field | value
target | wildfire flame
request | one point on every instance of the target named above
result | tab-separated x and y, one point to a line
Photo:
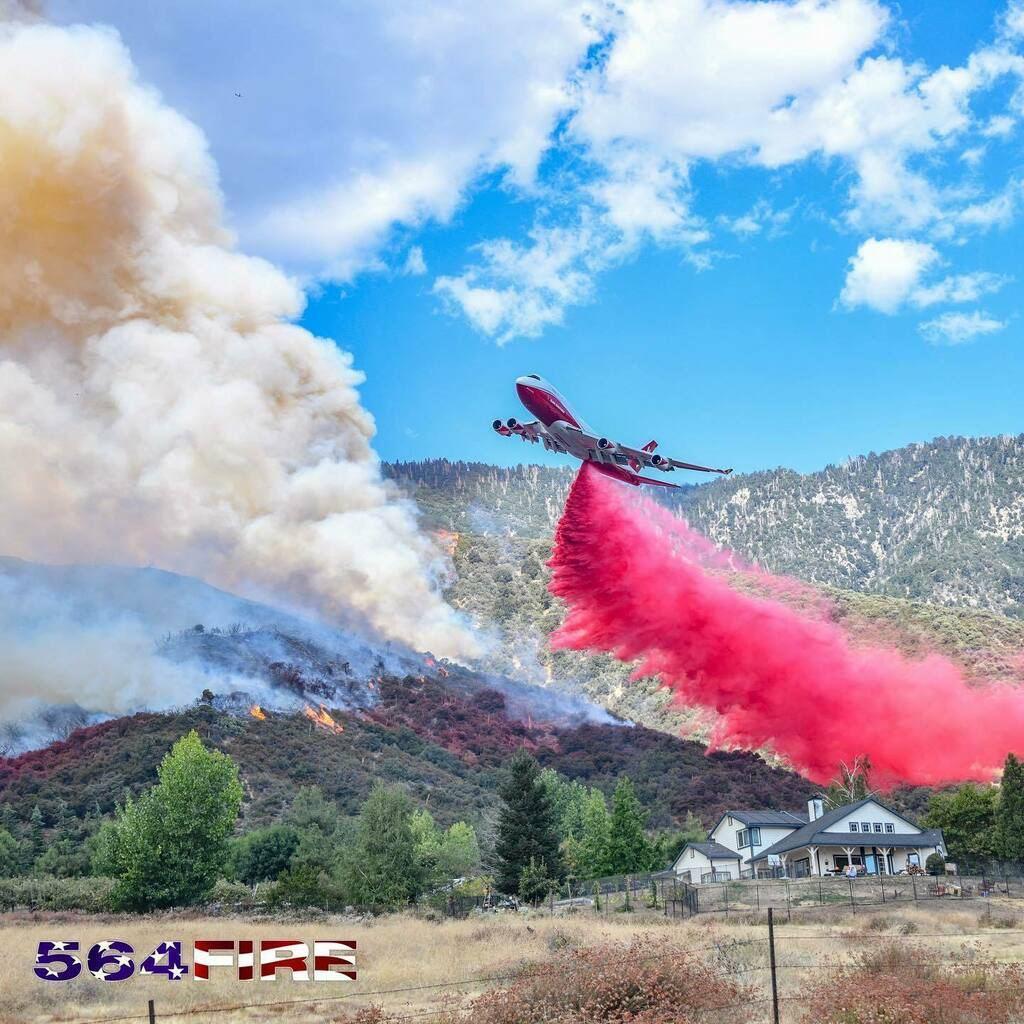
258	713
323	718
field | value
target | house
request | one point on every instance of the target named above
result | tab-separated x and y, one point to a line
737	837
707	862
873	837
867	834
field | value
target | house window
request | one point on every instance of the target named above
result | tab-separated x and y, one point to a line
878	826
890	827
854	827
865	826
749	837
729	819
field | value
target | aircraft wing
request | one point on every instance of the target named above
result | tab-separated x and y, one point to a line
662	462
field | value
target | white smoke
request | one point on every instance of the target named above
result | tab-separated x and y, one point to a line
157	406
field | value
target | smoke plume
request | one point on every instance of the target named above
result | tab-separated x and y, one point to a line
157	404
637	586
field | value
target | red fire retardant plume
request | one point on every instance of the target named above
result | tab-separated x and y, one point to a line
637	585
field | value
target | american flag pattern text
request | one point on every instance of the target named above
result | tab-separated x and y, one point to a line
331	954
283	955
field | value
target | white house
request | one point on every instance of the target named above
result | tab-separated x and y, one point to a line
707	862
867	834
738	836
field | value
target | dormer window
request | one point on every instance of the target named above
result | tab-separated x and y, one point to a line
878	826
890	827
854	827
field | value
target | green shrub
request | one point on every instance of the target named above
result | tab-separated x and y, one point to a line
89	894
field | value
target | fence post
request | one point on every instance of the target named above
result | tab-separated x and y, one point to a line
913	882
853	905
771	964
881	882
152	1012
726	887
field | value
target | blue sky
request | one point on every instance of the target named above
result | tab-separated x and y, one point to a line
765	234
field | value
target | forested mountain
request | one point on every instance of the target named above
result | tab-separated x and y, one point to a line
941	522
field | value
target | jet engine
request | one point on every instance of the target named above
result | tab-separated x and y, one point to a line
512	423
501	428
605	445
660	462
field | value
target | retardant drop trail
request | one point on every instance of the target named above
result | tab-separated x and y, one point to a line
637	585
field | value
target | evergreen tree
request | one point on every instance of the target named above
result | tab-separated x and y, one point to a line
1010	811
967	818
628	847
35	831
526	825
10	855
172	843
534	882
382	868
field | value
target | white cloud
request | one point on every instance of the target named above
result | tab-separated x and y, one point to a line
959	328
761	217
402	108
959	288
518	290
884	273
887	273
415	264
367	116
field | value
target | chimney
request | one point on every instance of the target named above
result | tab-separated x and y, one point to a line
815	808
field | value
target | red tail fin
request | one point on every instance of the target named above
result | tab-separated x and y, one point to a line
650	446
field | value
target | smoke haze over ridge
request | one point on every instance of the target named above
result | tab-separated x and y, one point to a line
157	404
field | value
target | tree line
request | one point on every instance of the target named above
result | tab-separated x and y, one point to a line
178	841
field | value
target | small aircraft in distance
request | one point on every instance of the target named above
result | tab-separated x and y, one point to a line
561	430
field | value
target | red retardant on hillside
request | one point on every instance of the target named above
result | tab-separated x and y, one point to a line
642	586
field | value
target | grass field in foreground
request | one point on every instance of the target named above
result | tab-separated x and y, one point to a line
402	951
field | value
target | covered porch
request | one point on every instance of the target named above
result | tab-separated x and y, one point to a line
884	858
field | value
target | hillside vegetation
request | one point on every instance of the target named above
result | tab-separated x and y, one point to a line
445	747
921	548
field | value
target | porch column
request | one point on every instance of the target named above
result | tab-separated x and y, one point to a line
784	861
886	850
812	856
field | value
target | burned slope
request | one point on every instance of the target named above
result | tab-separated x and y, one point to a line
444	743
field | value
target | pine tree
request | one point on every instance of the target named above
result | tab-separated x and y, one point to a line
628	847
35	831
1010	811
526	826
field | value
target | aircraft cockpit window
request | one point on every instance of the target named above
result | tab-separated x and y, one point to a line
533	376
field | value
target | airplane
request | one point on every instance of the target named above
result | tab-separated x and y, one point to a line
559	429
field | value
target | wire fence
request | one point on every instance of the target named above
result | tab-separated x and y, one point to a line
789	895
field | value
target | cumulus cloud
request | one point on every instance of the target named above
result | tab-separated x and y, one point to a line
441	96
959	328
886	273
158	406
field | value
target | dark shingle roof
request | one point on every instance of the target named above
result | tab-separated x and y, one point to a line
769	817
711	850
817	833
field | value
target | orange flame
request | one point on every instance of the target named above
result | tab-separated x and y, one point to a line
323	719
258	713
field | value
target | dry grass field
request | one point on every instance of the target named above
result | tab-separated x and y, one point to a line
403	951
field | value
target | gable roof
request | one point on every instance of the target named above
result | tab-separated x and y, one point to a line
713	851
778	819
812	833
